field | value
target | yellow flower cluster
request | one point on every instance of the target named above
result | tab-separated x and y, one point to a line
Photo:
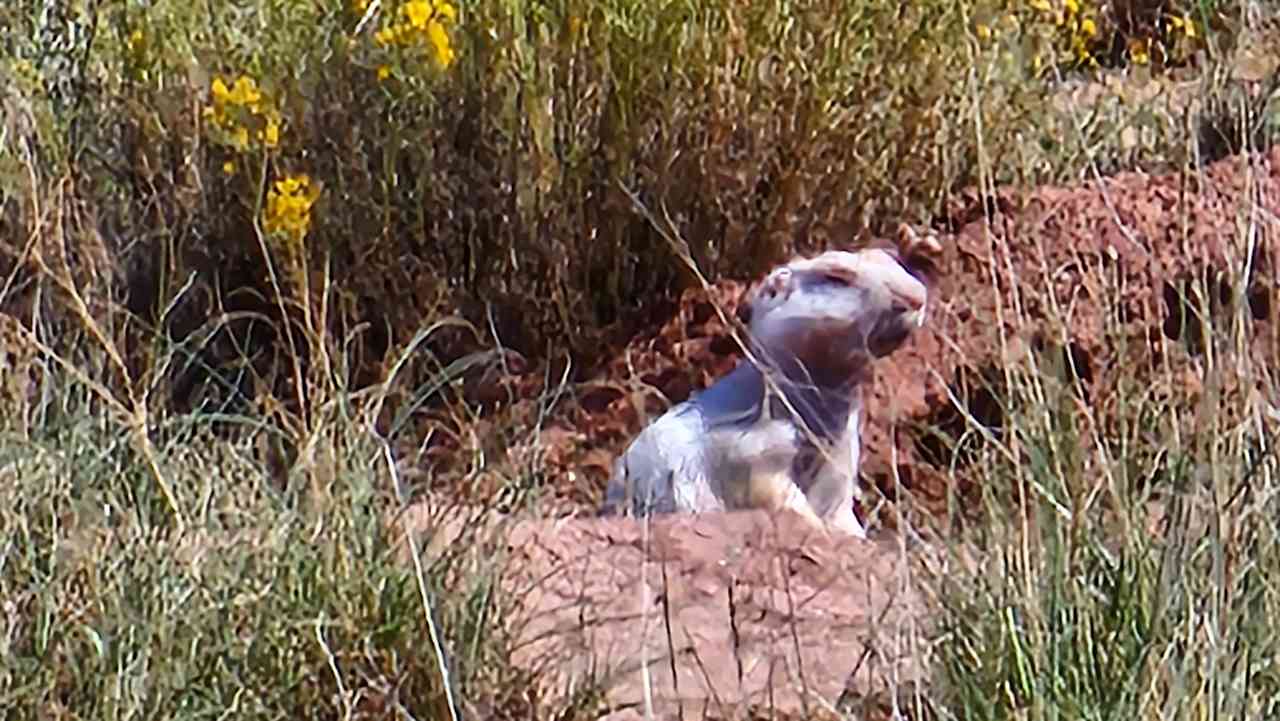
1184	25
421	23
1072	24
1074	21
136	44
1074	34
289	204
243	116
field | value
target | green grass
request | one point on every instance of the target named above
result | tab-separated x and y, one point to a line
1125	574
197	414
273	603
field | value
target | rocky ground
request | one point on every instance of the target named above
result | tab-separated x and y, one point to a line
1094	283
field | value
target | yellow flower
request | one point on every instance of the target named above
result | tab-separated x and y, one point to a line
245	92
1138	52
417	12
1041	5
237	109
229	167
1081	50
983	31
1186	25
1088	28
385	36
289	206
136	42
384	72
440	40
1073	7
290	185
270	135
220	91
421	24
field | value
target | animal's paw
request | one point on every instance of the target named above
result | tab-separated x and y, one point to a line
845	523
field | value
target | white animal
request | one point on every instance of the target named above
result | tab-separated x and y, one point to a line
814	327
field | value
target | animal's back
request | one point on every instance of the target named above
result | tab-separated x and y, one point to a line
666	461
673	465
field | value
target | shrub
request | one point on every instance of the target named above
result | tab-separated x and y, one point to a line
492	151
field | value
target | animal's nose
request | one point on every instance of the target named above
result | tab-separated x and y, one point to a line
909	301
909	307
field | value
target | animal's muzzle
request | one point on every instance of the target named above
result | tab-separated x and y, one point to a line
890	332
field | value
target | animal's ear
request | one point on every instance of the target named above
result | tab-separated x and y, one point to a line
919	253
775	283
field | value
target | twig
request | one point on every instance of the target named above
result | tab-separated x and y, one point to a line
437	645
671	648
646	682
795	635
368	15
333	667
706	677
733	631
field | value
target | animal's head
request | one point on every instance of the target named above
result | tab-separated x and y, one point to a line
835	312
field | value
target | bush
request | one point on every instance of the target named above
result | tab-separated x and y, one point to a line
495	169
488	155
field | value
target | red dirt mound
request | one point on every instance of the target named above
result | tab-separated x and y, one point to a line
1116	260
716	614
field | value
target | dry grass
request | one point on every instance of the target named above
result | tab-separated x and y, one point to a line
205	424
1123	555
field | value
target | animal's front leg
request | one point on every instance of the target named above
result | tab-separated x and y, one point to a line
834	486
775	492
831	497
